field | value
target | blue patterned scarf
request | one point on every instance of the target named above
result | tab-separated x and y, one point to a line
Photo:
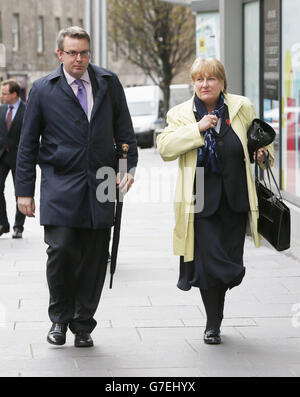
207	155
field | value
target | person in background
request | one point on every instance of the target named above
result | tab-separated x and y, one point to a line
210	131
11	118
75	124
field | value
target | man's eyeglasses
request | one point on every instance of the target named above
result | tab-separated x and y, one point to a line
74	54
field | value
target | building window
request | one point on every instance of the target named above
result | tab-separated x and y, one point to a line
57	30
80	22
69	21
40	35
16	32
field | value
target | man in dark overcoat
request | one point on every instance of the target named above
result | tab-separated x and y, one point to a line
75	124
11	117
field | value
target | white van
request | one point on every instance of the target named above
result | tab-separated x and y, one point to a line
145	105
180	93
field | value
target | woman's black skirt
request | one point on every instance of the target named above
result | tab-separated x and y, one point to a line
219	248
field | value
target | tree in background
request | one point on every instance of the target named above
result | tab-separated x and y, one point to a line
156	36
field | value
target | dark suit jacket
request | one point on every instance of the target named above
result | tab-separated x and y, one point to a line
57	134
9	141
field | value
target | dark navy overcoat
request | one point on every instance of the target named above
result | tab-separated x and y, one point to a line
69	149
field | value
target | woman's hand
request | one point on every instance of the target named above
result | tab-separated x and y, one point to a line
207	121
260	155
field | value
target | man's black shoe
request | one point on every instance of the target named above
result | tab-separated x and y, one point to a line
4	229
83	339
57	334
17	233
212	337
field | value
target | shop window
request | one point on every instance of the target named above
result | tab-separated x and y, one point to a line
291	97
251	53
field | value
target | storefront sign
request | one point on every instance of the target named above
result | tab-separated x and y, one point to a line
207	35
271	48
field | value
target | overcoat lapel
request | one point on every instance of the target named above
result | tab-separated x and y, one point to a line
99	81
233	104
62	83
100	93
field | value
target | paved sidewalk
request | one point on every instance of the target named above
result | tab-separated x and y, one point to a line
146	326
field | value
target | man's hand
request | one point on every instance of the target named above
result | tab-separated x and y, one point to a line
125	183
26	205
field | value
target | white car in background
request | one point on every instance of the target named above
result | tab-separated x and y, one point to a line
145	105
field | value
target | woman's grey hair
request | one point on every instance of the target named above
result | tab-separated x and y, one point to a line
74	32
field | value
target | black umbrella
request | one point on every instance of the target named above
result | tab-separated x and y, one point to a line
118	216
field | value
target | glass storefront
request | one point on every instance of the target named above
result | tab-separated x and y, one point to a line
251	53
290	145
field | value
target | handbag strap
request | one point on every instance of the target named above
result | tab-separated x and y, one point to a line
269	171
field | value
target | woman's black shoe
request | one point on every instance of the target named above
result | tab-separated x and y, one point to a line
212	337
57	334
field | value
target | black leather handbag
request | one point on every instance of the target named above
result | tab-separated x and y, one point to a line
259	134
274	216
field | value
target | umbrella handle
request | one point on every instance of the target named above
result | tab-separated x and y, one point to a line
123	170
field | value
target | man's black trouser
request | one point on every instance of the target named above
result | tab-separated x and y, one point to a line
76	269
19	218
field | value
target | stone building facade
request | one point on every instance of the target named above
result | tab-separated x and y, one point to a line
28	30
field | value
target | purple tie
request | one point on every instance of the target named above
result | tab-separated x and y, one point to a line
81	95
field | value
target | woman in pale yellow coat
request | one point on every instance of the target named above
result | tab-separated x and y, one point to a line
209	132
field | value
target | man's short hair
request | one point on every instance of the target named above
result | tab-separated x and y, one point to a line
74	32
13	86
